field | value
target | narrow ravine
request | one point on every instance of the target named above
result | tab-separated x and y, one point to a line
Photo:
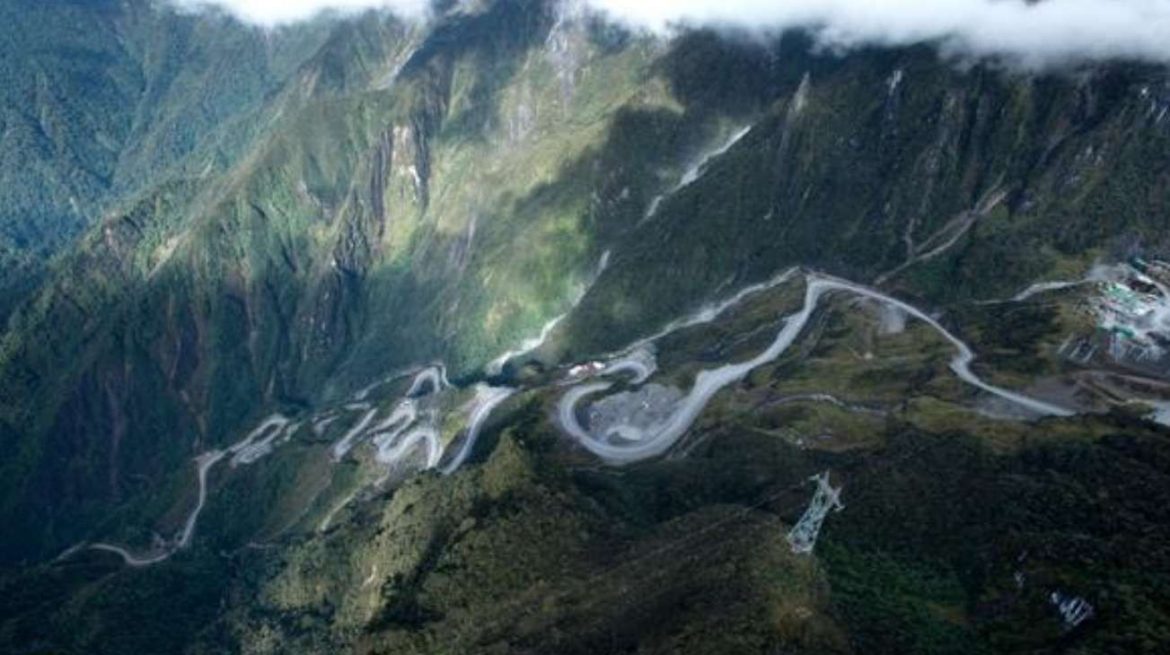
694	172
532	344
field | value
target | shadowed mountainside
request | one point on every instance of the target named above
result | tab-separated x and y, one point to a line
248	224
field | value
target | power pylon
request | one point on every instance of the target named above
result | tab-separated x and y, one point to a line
803	537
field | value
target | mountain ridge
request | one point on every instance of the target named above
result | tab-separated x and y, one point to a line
514	193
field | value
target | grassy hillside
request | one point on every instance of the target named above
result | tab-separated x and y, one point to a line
409	197
243	222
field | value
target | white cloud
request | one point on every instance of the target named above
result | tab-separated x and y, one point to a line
1035	33
280	12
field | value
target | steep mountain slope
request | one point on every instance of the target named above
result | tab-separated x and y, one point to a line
365	232
880	159
303	235
100	100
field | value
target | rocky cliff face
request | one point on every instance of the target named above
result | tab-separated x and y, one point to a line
286	223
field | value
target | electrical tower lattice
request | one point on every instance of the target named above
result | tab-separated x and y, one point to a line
803	537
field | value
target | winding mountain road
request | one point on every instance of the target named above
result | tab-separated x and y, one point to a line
392	452
400	433
203	464
661	437
486	400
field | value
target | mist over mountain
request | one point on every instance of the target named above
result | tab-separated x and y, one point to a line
1051	33
528	326
1020	32
270	12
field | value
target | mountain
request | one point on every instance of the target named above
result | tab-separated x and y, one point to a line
103	99
316	336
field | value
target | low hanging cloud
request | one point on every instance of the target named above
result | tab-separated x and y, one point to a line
1034	33
270	13
1039	33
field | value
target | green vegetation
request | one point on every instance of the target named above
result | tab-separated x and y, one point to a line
202	224
101	101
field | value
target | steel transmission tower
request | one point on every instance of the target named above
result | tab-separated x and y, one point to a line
803	537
